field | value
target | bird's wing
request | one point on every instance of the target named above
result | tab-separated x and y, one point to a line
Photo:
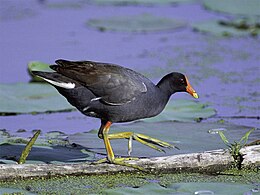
111	83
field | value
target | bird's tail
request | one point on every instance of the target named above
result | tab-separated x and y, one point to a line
56	79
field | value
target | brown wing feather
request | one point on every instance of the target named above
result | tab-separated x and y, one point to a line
114	84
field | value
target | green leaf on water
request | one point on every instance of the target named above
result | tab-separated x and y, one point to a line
183	110
136	23
227	28
237	7
183	188
138	2
31	98
38	66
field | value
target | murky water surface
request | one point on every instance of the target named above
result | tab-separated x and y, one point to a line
224	70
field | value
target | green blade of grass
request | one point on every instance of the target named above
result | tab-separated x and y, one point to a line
223	138
28	147
245	137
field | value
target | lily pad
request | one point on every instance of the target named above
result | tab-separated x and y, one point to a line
65	4
189	137
38	66
136	23
237	7
183	110
186	188
53	147
43	154
15	191
228	28
138	2
31	98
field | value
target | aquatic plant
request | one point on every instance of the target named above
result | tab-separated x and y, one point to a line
236	147
28	147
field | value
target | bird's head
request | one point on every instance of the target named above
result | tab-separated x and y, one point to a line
177	82
182	84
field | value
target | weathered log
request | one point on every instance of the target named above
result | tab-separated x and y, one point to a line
251	156
209	161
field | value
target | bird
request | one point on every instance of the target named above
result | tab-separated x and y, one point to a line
115	94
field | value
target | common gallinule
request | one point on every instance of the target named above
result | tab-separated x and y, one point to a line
115	94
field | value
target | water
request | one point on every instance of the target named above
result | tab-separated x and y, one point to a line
223	70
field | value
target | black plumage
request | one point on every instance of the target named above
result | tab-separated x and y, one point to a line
114	93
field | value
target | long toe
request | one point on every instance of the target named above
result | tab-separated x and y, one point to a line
152	142
121	161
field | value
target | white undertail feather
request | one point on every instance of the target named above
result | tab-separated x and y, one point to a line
62	85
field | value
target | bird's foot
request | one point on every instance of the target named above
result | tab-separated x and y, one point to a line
152	142
144	139
120	161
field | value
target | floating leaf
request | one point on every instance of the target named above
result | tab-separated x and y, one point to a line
225	28
6	191
183	110
189	137
138	2
43	154
238	7
29	98
184	188
136	23
38	66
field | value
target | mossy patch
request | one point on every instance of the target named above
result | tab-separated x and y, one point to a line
140	182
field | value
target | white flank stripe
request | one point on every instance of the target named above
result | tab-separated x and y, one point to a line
95	99
145	88
62	85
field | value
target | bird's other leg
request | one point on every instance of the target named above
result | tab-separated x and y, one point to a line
103	134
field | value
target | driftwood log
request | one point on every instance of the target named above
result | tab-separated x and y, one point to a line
209	161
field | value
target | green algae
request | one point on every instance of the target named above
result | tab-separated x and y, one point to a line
104	183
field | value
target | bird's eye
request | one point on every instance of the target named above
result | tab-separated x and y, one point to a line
182	81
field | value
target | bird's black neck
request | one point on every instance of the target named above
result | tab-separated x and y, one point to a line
165	86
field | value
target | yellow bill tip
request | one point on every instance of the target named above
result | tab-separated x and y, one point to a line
195	95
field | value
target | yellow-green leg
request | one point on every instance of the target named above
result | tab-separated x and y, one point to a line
144	139
103	133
